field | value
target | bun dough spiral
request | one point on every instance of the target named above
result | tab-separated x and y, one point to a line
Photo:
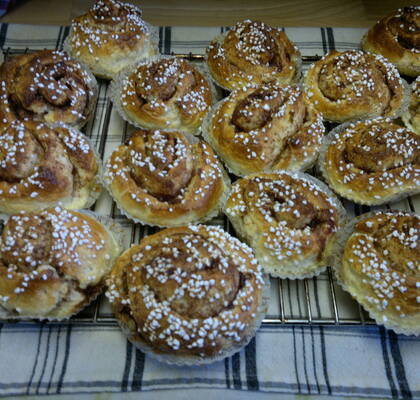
397	37
353	85
52	263
372	162
109	37
412	117
160	178
188	295
253	53
289	219
266	128
380	268
46	86
41	165
166	93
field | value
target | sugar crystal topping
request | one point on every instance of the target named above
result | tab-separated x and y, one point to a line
385	250
42	247
384	155
283	207
188	283
108	21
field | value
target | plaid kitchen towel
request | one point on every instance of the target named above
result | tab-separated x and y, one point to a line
332	360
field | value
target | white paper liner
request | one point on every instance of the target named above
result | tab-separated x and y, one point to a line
217	210
119	81
103	73
407	116
291	272
220	38
208	137
343	236
115	231
183	360
397	114
349	194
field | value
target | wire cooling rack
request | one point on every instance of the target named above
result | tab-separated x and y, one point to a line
317	301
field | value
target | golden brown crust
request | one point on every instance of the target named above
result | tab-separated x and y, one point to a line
161	179
380	268
53	263
288	219
397	37
41	165
188	291
109	37
46	86
167	93
353	84
372	162
253	53
412	117
266	128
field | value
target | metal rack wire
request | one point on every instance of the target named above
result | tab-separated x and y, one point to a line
317	301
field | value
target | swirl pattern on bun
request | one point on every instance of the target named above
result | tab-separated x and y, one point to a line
162	178
188	295
46	86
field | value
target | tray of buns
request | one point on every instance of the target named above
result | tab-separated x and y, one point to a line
317	300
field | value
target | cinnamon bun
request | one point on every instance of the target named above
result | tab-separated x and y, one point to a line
109	37
53	263
43	165
165	178
380	266
166	93
372	162
253	53
46	86
353	84
397	37
266	128
188	295
290	219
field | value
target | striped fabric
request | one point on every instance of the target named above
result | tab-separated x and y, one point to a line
332	360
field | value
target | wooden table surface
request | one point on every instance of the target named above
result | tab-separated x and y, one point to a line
357	13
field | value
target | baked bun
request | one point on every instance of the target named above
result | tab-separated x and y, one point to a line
380	267
353	85
52	263
46	86
166	93
372	162
290	219
109	37
397	38
253	53
412	117
42	165
264	129
161	178
188	295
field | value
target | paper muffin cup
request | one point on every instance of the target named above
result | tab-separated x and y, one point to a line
349	194
184	360
343	236
217	210
220	38
406	116
119	81
206	129
115	230
102	73
289	272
